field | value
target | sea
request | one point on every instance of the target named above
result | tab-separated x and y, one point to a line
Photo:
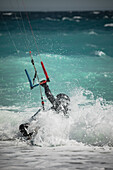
77	51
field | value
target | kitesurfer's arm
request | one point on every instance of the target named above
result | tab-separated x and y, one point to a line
48	92
56	102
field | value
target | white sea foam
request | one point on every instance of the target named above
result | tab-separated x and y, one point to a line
7	13
106	17
77	20
52	19
100	53
108	25
89	121
92	33
96	12
67	18
77	17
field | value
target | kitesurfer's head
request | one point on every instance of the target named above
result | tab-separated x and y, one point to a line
64	102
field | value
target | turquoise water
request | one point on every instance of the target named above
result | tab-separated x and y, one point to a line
77	51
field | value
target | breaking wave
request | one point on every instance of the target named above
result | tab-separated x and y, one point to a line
89	122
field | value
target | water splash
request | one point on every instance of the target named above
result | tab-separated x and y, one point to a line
89	122
92	119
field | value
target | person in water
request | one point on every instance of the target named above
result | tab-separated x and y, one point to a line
59	104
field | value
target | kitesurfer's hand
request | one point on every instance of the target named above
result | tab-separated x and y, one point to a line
43	83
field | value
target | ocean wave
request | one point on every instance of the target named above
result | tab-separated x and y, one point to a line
67	18
96	12
92	119
108	25
52	19
92	33
100	53
89	122
105	17
7	13
77	17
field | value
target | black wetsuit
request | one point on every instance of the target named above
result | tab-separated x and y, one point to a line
51	98
60	103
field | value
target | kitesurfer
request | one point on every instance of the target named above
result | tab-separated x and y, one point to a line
59	104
